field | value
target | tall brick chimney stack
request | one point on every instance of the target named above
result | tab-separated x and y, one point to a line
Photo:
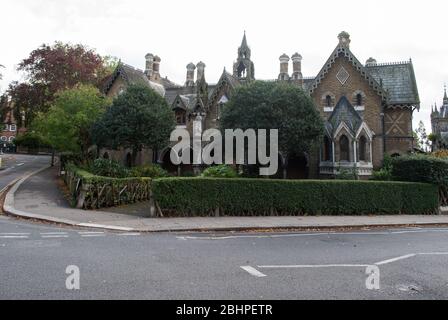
297	76
149	58
284	61
190	75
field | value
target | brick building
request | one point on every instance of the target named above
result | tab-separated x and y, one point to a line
367	108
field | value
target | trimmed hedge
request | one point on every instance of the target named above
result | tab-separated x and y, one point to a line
248	197
89	191
423	169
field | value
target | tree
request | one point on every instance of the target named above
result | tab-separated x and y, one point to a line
1	76
50	69
421	137
66	126
274	105
138	118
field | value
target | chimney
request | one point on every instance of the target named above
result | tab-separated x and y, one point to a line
190	75
371	62
297	68
200	71
148	66
284	60
156	68
344	39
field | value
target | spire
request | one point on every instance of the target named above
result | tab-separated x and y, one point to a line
445	97
244	50
243	68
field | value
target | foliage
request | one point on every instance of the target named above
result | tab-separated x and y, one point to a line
421	168
49	69
220	171
138	118
30	140
89	191
149	171
108	168
440	154
347	174
67	124
385	173
1	75
203	196
421	137
274	105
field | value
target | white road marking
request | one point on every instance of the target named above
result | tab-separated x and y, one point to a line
314	266
14	237
395	259
128	234
90	232
55	236
14	233
253	271
433	253
52	233
92	235
289	235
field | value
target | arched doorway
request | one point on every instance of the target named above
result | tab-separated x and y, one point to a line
297	167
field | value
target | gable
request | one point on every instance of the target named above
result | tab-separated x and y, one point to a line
344	53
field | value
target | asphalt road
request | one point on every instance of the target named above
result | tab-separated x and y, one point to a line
407	263
34	259
17	165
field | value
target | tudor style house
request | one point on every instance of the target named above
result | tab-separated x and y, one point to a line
367	108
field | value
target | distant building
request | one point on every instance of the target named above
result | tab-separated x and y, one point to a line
439	124
9	126
367	108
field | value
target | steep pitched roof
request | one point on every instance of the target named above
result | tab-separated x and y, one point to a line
344	112
344	51
398	79
226	78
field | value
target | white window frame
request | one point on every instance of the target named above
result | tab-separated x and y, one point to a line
4	138
13	128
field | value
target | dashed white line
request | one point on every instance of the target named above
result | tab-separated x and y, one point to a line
130	234
55	236
253	271
13	237
395	259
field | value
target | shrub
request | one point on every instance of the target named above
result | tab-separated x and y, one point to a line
385	173
149	171
202	196
108	168
440	154
89	191
347	174
421	168
220	171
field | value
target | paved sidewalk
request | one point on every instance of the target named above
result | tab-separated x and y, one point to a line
40	197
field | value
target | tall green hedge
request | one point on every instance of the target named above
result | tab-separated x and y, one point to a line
203	196
423	168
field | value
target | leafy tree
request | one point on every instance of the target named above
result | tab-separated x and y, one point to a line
138	118
421	137
50	69
274	105
67	124
31	140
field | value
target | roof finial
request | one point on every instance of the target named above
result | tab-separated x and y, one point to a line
445	97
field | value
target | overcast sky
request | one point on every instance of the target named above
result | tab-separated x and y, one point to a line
210	31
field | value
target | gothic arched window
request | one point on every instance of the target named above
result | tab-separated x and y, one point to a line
359	99
327	149
344	149
328	101
363	149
